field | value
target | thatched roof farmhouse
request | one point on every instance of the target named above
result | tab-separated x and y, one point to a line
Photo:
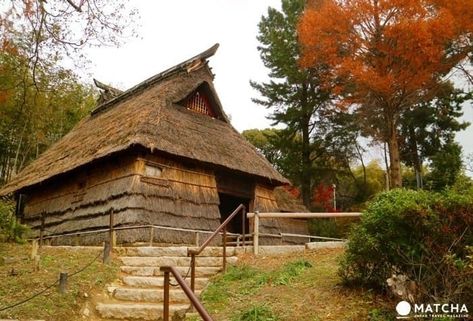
162	152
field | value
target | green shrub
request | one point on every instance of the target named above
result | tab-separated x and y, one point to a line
422	235
331	227
10	229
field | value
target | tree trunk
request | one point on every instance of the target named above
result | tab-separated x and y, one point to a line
386	164
306	178
416	159
394	158
306	167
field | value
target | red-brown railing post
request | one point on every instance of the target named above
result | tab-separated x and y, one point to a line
224	254
221	229
243	223
166	297
195	303
193	272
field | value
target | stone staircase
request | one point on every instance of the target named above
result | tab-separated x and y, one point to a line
138	294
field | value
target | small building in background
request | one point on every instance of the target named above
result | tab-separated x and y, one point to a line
162	153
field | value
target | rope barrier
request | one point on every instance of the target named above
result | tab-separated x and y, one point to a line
184	278
49	286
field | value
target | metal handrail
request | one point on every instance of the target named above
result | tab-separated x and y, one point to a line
188	291
223	227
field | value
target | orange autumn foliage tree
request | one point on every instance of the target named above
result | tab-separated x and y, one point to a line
386	55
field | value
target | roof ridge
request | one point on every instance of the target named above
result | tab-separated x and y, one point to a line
190	65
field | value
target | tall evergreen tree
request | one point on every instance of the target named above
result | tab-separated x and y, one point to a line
294	94
428	129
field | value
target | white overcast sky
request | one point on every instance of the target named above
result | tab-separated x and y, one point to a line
173	31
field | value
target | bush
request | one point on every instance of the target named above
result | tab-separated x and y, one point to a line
331	227
423	235
10	229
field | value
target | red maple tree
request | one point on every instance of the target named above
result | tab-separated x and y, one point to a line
386	55
323	196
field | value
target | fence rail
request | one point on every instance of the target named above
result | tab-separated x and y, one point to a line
256	216
127	227
303	215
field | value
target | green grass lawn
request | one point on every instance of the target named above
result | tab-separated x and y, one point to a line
19	281
302	287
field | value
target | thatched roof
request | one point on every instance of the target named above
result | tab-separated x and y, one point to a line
288	202
149	115
107	92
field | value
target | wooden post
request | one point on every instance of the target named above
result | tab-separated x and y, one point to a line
106	252
62	282
243	218
256	233
112	236
224	254
36	263
151	236
166	297
34	249
196	238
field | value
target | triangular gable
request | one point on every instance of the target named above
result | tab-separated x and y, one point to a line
203	100
189	66
199	102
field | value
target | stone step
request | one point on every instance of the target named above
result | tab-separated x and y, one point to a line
158	281
155	261
176	295
178	251
194	316
235	243
215	251
200	271
174	261
136	311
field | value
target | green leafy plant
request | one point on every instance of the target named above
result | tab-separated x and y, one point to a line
421	235
10	229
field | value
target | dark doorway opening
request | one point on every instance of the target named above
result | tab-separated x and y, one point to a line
228	203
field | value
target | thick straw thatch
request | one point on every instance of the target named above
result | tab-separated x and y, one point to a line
268	199
149	115
179	198
288	202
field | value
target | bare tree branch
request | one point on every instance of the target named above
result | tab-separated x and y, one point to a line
78	8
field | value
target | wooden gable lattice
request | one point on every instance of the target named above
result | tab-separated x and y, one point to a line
200	103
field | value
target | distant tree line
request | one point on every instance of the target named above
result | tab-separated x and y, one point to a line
40	101
32	119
